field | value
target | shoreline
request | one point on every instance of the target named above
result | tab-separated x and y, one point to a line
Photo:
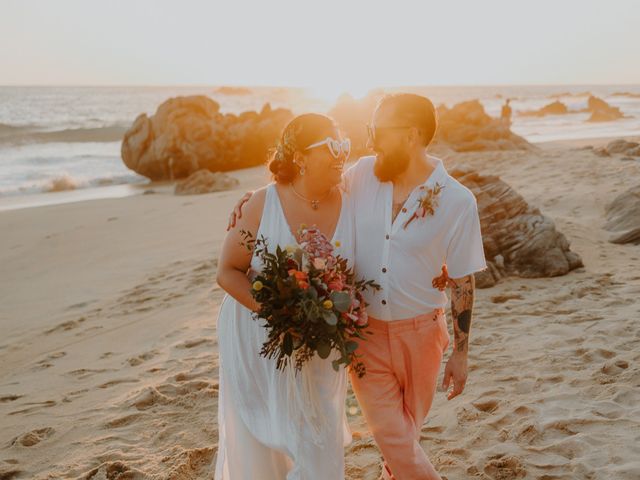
44	199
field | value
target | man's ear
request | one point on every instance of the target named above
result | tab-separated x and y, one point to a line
415	137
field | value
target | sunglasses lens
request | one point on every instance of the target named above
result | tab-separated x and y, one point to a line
346	147
334	146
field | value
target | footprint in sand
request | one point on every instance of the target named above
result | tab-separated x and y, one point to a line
8	472
505	298
615	368
143	357
9	398
111	383
83	373
68	325
36	406
45	363
114	470
194	343
71	396
505	467
33	437
487	406
123	421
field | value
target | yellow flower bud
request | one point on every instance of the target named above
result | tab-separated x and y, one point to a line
257	285
328	304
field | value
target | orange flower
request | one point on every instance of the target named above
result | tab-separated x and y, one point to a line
301	278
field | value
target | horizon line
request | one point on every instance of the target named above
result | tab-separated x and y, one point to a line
193	85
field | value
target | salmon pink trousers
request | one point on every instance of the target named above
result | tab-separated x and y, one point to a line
402	360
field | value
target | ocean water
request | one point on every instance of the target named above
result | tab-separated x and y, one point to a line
69	137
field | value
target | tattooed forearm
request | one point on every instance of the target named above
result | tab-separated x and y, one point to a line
461	308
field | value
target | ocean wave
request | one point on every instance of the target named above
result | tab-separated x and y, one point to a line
10	134
65	182
7	130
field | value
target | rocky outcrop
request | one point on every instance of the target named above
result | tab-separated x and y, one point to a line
187	134
204	181
518	239
554	108
620	146
233	91
623	217
626	94
464	127
467	127
601	111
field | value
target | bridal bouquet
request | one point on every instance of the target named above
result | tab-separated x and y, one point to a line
310	300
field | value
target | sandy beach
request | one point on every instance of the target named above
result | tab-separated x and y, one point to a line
108	350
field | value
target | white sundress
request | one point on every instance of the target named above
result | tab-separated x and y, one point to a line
267	429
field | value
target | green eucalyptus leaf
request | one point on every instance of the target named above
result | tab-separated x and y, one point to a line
341	301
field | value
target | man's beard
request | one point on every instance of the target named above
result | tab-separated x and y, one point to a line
389	165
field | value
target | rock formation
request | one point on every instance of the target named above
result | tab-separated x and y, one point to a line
518	239
623	217
601	111
554	108
187	134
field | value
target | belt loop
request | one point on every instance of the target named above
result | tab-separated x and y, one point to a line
415	323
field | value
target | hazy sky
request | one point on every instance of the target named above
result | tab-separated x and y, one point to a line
326	43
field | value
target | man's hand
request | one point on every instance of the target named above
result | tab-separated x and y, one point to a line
237	210
455	372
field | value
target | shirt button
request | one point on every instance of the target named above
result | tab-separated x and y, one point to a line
384	270
384	302
404	210
387	237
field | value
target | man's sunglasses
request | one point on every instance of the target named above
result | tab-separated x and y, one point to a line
374	132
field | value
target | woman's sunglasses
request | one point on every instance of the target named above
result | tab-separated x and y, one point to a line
374	132
335	146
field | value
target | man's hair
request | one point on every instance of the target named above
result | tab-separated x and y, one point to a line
413	110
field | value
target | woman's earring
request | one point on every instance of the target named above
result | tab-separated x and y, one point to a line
301	167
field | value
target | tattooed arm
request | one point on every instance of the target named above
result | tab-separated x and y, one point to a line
461	307
462	294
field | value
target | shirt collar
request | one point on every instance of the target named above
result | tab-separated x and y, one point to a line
439	174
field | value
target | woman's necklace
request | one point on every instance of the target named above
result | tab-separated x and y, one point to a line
314	203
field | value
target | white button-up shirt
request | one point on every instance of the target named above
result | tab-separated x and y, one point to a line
405	261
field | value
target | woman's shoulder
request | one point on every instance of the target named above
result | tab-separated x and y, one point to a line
252	210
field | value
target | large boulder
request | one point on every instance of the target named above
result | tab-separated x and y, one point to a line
623	217
601	111
187	134
518	239
204	181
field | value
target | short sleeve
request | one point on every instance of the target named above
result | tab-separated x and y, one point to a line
465	254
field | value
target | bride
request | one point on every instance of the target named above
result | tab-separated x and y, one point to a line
276	425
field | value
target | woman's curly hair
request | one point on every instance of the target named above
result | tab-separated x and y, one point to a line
302	131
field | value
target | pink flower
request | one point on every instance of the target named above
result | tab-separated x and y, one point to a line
319	263
363	318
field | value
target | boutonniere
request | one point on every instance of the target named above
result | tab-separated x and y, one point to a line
427	204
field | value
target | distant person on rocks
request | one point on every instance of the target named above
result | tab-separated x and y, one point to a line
505	114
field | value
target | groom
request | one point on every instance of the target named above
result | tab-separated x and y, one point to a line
417	232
